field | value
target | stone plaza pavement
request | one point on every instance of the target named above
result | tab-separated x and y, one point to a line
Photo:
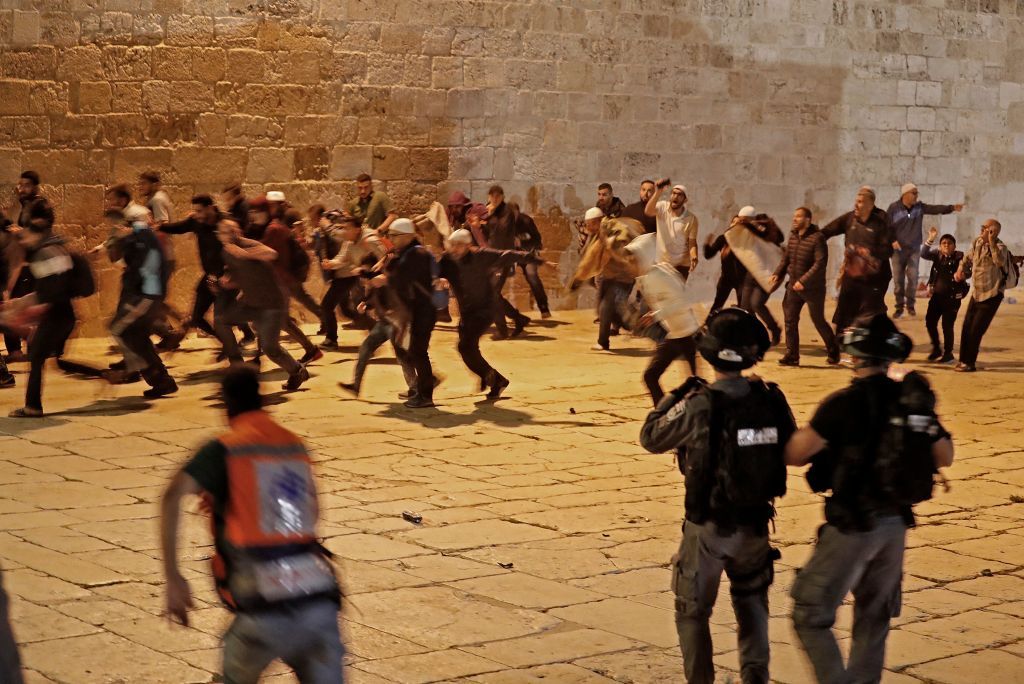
546	532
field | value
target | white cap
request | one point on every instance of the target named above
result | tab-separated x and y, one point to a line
593	213
909	187
402	226
747	212
275	196
680	188
460	236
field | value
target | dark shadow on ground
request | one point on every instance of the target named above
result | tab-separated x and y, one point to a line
121	406
485	411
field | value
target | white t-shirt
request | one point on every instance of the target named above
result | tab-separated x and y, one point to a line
675	233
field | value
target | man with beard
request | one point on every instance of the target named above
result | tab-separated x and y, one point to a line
260	301
467	271
804	262
677	228
866	269
607	202
274	234
357	248
372	208
409	274
636	211
31	205
501	235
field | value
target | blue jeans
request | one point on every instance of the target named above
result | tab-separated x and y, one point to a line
904	276
305	637
380	333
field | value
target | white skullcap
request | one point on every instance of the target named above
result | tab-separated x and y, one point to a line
680	188
909	187
275	196
593	213
402	226
747	212
460	237
867	190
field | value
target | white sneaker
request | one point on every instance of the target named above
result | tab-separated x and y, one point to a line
598	347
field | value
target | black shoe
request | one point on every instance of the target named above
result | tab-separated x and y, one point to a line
613	331
936	353
520	323
407	394
965	367
7	380
117	365
443	316
312	355
832	359
776	337
419	402
545	314
498	386
897	314
910	311
946	358
500	335
162	388
122	377
172	341
329	344
16	356
296	379
789	361
349	387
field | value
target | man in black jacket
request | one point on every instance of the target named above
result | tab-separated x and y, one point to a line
31	205
866	270
467	272
501	234
203	223
607	202
528	239
804	262
409	274
636	211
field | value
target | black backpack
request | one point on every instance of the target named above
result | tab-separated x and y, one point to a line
81	282
903	465
747	442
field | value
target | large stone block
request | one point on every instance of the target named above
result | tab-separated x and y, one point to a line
390	162
270	165
348	161
189	30
208	164
93	97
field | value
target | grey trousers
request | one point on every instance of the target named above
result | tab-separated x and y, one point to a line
305	637
871	565
746	558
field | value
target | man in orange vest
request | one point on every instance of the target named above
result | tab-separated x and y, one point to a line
269	569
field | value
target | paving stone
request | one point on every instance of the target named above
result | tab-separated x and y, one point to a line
428	667
475	534
976	628
1001	587
552	647
368	547
87	659
993	666
525	591
945	566
561	673
39	623
627	618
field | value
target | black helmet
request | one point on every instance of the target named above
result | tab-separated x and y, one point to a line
733	339
876	337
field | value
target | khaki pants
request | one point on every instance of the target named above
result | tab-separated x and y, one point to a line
746	557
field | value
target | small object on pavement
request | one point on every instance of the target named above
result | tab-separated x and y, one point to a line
507	566
414	518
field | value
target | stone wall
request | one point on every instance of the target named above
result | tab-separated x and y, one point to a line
774	103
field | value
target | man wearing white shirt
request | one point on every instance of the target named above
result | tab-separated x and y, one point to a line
677	228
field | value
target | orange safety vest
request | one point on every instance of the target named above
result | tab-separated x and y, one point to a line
267	551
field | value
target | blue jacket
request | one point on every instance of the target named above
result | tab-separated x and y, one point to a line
907	223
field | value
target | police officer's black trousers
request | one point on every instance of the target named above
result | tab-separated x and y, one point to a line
858	297
472	326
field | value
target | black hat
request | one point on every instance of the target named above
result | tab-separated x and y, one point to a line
733	339
876	337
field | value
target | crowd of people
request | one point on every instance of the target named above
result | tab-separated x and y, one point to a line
875	447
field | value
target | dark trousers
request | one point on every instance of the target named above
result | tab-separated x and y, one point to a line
611	306
945	309
976	321
22	286
532	275
203	302
754	299
268	323
502	307
667	351
48	340
381	332
339	294
10	662
299	294
858	297
472	326
132	328
422	326
792	303
727	284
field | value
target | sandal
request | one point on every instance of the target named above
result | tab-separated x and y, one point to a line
25	412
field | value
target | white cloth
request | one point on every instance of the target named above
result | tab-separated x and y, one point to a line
665	292
758	256
674	235
439	217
